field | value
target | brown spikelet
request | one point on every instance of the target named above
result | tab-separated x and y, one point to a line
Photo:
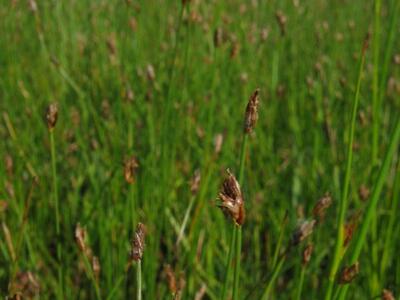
175	283
366	42
251	115
96	267
25	286
307	254
130	167
150	73
387	295
80	237
363	192
304	230
349	273
282	20
321	206
137	243
231	199
218	37
349	228
195	182
51	115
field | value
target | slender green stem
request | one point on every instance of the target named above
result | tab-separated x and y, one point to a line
139	280
228	265
57	214
271	282
339	250
301	282
375	92
90	274
387	249
375	196
238	229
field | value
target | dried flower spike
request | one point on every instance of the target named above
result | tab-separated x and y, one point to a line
387	295
96	267
130	167
80	237
251	115
349	273
321	206
51	115
307	254
282	20
304	230
231	199
137	243
195	182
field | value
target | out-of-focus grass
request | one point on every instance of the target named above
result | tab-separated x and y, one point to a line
149	79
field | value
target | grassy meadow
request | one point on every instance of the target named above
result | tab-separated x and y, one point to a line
117	113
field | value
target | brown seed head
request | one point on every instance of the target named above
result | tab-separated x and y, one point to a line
52	115
80	237
25	286
96	267
363	192
387	295
282	20
231	198
218	140
304	230
151	74
349	273
130	168
251	115
195	182
321	206
137	243
307	254
218	37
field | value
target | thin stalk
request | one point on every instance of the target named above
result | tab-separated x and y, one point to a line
375	78
236	239
139	279
280	239
228	269
57	213
90	274
375	196
387	249
238	229
301	282
339	250
271	282
375	130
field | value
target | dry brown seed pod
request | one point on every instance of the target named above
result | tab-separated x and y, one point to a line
387	295
138	243
151	74
282	20
51	115
251	115
26	285
80	237
307	254
232	202
218	37
130	168
96	267
349	273
363	192
304	230
195	182
321	206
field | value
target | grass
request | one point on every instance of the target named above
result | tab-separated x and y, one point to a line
167	82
